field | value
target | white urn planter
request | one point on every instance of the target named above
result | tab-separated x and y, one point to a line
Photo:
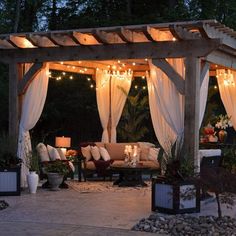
32	180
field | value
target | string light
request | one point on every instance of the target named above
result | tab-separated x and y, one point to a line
62	62
136	86
215	87
143	77
144	87
64	73
118	61
133	63
71	77
91	85
88	79
173	39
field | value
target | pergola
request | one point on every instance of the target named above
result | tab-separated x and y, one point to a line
204	44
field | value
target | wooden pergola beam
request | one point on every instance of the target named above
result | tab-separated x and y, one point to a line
220	58
191	110
175	77
29	76
165	49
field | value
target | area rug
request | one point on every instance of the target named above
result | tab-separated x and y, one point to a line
105	186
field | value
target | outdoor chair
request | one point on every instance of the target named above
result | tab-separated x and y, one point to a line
208	162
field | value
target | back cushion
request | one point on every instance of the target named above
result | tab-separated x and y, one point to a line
86	151
53	153
144	153
42	152
61	154
116	150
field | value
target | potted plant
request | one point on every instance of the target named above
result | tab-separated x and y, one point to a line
10	167
177	190
32	163
56	170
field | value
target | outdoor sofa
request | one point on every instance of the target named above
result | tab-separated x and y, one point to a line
98	157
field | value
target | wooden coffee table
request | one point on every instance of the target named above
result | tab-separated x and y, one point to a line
129	176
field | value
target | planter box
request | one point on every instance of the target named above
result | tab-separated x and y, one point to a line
10	182
177	198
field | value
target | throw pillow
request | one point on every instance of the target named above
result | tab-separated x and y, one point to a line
153	154
86	152
104	154
43	152
95	153
146	144
53	153
61	154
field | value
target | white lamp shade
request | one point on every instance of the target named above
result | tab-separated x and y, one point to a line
63	142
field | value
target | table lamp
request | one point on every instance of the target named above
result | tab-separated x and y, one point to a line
63	143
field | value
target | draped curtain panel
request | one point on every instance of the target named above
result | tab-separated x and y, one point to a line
167	104
227	88
120	86
103	101
203	97
32	106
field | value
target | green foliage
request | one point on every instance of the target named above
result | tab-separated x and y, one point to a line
229	158
57	166
8	156
175	165
32	161
132	124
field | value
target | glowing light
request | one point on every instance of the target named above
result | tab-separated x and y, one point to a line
173	39
64	73
73	67
215	87
71	77
91	85
146	59
80	62
136	86
85	69
88	79
144	87
118	61
143	77
62	62
114	67
133	63
123	65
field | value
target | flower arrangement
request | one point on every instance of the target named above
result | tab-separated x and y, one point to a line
223	122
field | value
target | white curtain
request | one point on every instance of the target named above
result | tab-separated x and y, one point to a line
120	86
203	97
227	88
166	104
103	101
32	106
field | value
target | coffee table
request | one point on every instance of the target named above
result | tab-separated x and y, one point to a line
129	176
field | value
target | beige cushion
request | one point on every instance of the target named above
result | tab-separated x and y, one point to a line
90	165
53	153
116	150
144	153
95	153
99	144
42	152
146	144
153	154
61	154
150	164
104	154
86	151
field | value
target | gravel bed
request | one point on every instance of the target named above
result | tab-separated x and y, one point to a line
3	204
187	225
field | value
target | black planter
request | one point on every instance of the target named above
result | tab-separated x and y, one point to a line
175	198
10	181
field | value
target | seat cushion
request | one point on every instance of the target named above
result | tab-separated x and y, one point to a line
90	165
150	164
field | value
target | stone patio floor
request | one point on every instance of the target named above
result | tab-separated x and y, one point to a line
69	212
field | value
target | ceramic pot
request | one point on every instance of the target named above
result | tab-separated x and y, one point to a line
32	180
222	136
55	179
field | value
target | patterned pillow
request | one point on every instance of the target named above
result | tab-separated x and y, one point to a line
95	153
86	152
43	152
104	153
53	153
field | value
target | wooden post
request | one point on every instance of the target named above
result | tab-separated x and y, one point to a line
191	118
14	76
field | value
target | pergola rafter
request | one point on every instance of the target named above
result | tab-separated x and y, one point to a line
203	45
